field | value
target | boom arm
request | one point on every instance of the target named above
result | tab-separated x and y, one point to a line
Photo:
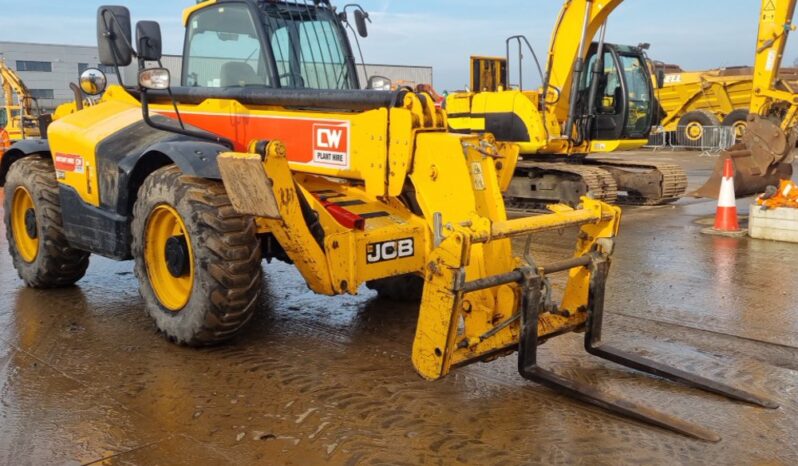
580	20
775	24
577	25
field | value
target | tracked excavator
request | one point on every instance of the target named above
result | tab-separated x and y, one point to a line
598	97
267	148
19	114
609	109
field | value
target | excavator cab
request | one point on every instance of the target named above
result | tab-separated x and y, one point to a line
615	101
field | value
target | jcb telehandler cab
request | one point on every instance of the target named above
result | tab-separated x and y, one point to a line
269	150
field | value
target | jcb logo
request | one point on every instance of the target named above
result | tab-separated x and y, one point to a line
389	250
331	144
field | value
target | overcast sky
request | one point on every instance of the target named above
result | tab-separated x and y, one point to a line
696	34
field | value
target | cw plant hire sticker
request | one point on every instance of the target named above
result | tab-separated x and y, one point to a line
69	163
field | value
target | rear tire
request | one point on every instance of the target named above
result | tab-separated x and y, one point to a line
692	125
737	119
213	291
404	288
34	228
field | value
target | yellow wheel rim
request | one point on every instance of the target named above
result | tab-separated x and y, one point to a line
23	224
171	283
739	128
694	131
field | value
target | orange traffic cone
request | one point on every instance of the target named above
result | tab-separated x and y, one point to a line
726	223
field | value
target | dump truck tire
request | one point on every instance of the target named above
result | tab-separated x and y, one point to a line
34	228
737	119
693	124
404	288
198	261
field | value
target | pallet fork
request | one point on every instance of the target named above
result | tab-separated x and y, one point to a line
528	361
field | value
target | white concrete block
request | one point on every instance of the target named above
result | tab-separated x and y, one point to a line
775	224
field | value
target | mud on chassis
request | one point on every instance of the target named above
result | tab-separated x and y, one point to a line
199	222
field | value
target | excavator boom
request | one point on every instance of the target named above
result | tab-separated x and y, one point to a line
764	157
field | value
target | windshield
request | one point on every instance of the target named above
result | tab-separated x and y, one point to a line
639	94
224	49
308	47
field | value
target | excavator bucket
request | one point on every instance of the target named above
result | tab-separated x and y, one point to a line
762	159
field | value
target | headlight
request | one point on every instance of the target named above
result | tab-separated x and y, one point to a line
156	79
379	83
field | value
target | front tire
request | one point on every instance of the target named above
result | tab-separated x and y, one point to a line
34	227
198	261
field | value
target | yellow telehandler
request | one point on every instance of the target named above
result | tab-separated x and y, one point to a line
269	149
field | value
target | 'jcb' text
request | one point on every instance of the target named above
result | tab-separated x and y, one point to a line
389	250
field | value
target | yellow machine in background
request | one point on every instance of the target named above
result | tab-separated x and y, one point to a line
599	98
488	74
276	154
610	109
694	100
19	114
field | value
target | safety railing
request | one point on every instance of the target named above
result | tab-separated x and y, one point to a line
709	140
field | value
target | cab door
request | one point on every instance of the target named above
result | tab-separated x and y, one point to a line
609	109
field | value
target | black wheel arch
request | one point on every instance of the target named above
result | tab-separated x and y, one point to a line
21	149
193	157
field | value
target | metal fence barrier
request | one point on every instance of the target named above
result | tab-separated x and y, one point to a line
709	140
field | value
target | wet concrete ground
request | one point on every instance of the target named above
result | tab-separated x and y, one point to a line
85	379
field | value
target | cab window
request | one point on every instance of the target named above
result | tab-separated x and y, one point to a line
610	90
308	51
224	49
639	94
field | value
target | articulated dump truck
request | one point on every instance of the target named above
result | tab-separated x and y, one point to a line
692	101
270	150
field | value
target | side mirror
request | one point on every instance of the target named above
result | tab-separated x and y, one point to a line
93	82
154	79
148	40
360	23
660	78
113	36
379	83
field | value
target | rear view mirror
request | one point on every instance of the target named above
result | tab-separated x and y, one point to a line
93	82
360	23
660	78
148	40
113	35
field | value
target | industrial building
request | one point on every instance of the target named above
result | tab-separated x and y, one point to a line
47	69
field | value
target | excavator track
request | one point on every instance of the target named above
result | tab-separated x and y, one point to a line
665	182
595	181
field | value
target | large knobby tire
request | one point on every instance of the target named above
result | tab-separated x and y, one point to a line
693	124
738	120
34	227
198	261
404	288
